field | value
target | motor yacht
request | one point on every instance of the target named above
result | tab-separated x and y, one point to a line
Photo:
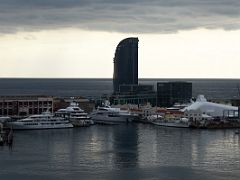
75	115
109	115
46	120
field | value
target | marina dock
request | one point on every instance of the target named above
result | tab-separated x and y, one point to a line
6	135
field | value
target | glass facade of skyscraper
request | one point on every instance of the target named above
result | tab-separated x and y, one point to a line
169	93
126	63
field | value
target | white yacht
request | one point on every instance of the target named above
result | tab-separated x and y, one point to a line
75	115
108	115
4	119
46	120
178	123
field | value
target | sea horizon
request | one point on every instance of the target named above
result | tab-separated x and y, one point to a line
112	78
95	87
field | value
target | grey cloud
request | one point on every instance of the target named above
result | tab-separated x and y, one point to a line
139	16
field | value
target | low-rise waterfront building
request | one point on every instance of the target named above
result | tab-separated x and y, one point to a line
25	105
196	115
18	106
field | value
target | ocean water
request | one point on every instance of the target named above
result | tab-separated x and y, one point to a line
129	151
211	88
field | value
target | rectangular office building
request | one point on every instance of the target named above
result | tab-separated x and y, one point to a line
134	94
169	93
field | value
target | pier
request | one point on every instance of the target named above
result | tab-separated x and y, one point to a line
6	135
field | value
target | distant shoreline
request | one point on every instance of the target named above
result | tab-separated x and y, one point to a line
153	79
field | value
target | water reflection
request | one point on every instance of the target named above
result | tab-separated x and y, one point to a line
216	150
125	144
101	151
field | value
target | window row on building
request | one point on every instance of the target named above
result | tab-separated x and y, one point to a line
24	105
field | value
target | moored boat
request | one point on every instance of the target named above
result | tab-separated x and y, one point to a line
46	120
178	123
109	115
75	115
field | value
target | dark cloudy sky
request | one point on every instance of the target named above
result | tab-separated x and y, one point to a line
37	32
122	16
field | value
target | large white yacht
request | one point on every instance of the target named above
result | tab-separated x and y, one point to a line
75	115
46	120
109	115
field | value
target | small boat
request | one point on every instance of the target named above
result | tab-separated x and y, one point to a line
75	115
46	120
178	123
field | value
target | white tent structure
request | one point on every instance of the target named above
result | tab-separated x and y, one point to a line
211	109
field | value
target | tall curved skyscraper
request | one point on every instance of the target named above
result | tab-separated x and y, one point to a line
126	63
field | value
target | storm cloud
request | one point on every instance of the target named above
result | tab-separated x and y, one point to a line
137	16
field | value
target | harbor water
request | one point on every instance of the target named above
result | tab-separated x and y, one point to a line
128	151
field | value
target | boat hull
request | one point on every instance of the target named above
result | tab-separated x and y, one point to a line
82	123
111	120
171	124
19	126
